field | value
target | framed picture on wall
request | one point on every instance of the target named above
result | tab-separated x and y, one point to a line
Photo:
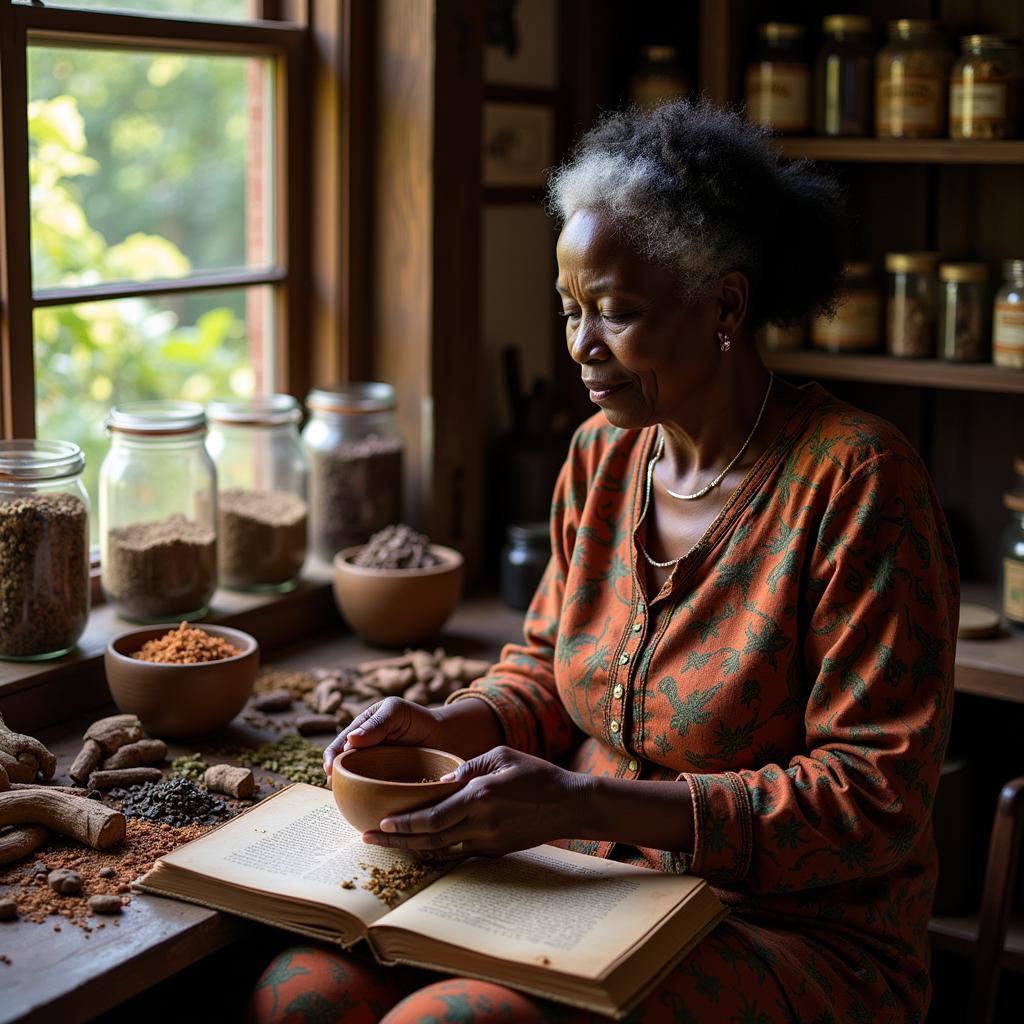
518	144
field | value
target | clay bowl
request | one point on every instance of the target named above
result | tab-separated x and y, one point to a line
397	607
371	783
181	700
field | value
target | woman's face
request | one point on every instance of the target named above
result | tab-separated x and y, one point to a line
643	352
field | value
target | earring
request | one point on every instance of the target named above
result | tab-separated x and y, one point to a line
725	340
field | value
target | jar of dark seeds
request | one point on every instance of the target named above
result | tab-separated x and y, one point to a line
158	512
355	465
911	304
261	499
962	330
44	549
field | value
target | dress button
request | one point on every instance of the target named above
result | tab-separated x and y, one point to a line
633	765
623	658
637	626
614	727
618	691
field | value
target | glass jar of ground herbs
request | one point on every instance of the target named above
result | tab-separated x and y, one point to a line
658	78
158	512
857	325
962	334
44	549
261	496
984	89
355	465
912	304
778	79
912	81
1008	318
843	77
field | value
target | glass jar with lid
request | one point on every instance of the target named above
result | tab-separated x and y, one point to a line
843	77
912	81
658	77
524	558
984	89
1008	318
355	465
962	334
778	79
1011	557
44	549
158	512
261	492
856	327
912	304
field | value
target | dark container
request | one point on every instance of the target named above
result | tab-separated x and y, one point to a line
523	561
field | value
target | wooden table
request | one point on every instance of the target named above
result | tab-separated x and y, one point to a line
73	976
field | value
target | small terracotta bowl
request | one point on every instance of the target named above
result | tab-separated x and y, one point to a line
397	607
371	783
181	700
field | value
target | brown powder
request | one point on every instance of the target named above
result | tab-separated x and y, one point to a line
186	646
297	683
144	843
261	538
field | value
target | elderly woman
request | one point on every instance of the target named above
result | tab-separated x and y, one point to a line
739	663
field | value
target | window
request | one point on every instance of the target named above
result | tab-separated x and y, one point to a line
152	230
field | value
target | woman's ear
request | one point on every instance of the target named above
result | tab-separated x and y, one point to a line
733	300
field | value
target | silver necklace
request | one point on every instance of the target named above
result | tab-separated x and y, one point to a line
739	455
650	476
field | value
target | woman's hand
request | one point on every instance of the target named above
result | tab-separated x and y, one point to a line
509	801
466	728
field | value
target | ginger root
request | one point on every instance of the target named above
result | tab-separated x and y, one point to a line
131	755
123	777
20	842
28	754
225	778
88	821
114	732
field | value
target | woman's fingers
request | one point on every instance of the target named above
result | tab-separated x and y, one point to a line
437	844
368	728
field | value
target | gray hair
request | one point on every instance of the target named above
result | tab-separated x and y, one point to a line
696	188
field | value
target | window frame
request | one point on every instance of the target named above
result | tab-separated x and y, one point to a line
22	25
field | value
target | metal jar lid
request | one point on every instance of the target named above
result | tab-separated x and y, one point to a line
974	273
369	396
857	23
904	262
259	411
775	30
22	461
157	418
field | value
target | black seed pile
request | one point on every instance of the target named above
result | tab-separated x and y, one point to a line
175	802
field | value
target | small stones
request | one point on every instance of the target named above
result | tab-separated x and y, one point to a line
8	910
174	802
65	881
107	872
105	904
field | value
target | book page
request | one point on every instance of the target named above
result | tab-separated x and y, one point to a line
296	844
546	906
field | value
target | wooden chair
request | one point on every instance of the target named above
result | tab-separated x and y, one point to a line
997	895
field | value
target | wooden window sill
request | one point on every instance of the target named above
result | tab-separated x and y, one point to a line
38	694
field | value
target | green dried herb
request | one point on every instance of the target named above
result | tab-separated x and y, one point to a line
189	766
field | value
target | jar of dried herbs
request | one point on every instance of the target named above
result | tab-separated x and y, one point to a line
261	492
912	81
843	77
984	89
962	334
856	327
1008	318
778	79
658	77
44	549
776	337
911	304
1011	551
355	465
158	512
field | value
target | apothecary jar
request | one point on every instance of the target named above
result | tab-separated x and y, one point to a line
44	549
158	512
261	491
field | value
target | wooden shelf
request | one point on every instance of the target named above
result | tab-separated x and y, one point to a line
958	933
992	667
933	373
903	151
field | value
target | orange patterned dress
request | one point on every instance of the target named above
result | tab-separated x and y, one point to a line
796	670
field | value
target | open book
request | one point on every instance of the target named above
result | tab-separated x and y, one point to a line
581	930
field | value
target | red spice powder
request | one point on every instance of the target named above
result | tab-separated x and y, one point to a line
186	646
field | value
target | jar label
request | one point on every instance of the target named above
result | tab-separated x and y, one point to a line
976	101
910	105
777	95
855	326
1013	589
1008	334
